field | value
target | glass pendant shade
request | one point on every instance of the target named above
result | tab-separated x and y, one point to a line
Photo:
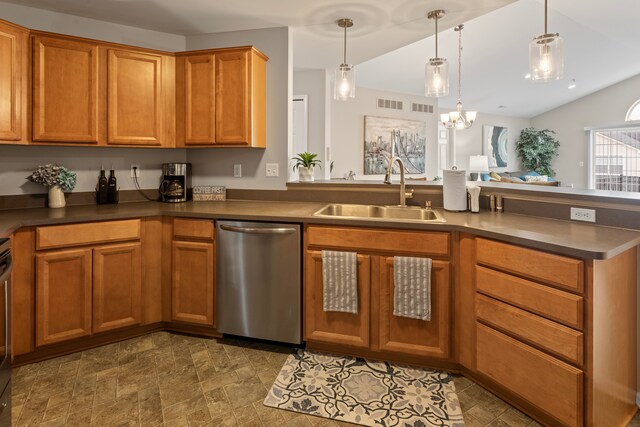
345	82
546	54
436	77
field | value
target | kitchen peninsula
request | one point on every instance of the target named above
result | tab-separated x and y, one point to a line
510	290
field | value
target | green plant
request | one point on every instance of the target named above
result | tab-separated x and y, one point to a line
306	160
50	175
536	149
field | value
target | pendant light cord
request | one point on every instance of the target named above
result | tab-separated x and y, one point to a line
345	46
459	29
437	36
545	17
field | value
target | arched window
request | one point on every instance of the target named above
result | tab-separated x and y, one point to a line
634	112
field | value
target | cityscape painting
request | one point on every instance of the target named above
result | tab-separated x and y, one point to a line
386	137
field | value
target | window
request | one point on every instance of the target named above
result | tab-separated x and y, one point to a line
634	112
616	159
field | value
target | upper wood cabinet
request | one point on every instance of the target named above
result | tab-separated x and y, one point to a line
65	90
135	100
221	98
13	83
195	93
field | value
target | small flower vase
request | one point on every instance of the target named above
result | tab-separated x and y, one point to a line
56	197
306	174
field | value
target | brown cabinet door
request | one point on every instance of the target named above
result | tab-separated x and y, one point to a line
13	46
63	295
117	286
192	284
414	336
199	100
232	98
135	98
332	327
65	90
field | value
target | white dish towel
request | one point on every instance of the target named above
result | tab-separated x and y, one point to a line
412	287
340	281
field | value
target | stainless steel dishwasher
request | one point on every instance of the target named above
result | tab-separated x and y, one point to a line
258	280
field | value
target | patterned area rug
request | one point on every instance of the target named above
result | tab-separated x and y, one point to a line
365	392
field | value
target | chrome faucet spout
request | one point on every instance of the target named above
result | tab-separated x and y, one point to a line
387	180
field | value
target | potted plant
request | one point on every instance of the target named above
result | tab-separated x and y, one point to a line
58	179
305	163
536	149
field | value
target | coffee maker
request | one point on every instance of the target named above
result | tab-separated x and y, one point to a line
176	182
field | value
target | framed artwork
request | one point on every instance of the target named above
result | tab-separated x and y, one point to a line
495	146
386	137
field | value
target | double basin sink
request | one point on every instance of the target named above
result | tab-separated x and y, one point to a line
382	213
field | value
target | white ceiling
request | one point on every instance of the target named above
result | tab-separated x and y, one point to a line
602	47
602	40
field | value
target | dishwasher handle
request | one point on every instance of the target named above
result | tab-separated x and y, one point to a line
258	230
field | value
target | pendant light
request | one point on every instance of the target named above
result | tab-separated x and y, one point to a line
345	75
436	71
459	119
546	54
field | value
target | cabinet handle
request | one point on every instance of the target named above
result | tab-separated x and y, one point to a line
253	230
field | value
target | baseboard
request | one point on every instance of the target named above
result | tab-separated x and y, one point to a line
638	399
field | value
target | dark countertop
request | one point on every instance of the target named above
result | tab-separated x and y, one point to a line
564	237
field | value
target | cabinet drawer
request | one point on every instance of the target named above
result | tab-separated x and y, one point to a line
554	304
553	269
547	383
193	228
560	340
88	233
400	242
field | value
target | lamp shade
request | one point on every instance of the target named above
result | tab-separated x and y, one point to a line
479	163
345	82
436	77
546	58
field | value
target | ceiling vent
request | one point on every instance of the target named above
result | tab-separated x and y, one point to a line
421	108
390	104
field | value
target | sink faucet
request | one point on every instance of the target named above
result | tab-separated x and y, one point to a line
404	195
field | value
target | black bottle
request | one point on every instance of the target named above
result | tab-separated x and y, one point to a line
103	184
112	187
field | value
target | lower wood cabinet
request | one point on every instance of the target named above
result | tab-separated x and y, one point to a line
333	327
117	286
86	290
375	329
193	272
63	295
192	296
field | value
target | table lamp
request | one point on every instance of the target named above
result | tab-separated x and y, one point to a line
479	164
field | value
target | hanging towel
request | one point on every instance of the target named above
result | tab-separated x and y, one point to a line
340	281
412	287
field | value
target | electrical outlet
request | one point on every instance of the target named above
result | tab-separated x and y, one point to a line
237	171
580	214
135	171
272	169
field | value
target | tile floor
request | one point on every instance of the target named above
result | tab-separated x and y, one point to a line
176	380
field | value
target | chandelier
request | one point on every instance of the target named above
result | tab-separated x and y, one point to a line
459	119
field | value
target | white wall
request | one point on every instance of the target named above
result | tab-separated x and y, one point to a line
215	166
312	84
607	107
347	130
44	20
16	163
468	142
